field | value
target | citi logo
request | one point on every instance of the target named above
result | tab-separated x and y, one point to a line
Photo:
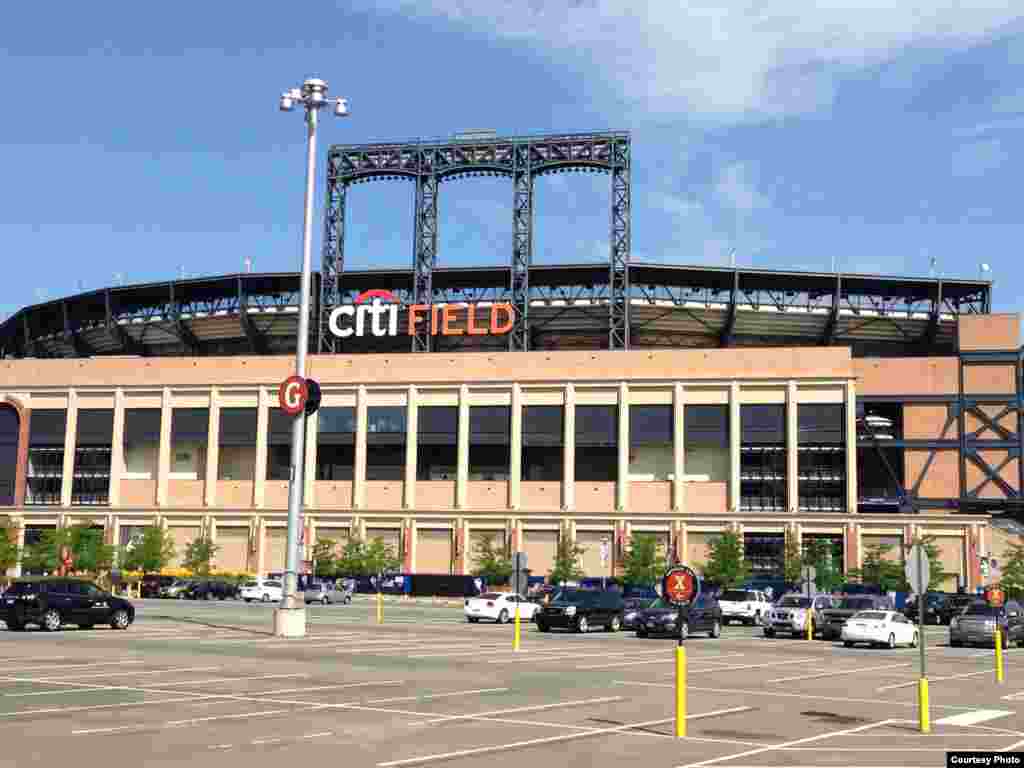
382	306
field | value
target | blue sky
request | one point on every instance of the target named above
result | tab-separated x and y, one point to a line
144	139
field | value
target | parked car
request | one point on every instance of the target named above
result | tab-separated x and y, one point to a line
702	615
212	590
957	604
581	609
264	590
153	584
789	615
977	625
328	592
51	603
499	607
632	607
933	605
746	606
833	619
177	589
888	628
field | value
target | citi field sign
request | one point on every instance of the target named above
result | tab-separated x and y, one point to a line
376	312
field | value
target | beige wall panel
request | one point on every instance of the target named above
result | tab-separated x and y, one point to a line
143	400
595	497
906	376
433	550
926	422
707	498
943	477
185	493
650	396
989	380
338	400
181	536
437	397
697	551
233	554
234	495
996	331
540	547
762	395
385	494
827	394
275	494
97	401
707	395
490	397
242	399
647	497
331	494
378	397
486	495
190	400
540	496
434	494
138	493
39	402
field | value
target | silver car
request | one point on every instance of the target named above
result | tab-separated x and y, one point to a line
327	593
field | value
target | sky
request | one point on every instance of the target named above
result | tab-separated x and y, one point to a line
142	141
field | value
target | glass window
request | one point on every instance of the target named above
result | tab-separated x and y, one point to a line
437	434
489	442
336	437
543	436
45	456
94	435
385	443
279	445
597	455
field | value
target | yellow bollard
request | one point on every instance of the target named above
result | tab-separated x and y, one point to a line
810	624
999	655
515	636
922	705
380	608
680	692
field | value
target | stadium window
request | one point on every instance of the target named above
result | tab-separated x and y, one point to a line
45	456
437	442
706	443
279	445
763	458
650	442
542	455
335	443
385	442
821	452
236	447
597	440
189	436
94	436
141	443
489	444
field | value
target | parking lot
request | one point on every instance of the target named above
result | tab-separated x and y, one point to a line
206	683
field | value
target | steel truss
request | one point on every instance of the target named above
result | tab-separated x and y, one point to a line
428	163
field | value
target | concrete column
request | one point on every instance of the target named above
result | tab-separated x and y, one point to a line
359	471
252	545
463	561
163	465
515	470
309	472
259	474
411	555
19	533
792	450
261	546
462	473
569	450
411	432
213	449
682	535
851	446
70	435
117	450
734	447
851	548
622	487
678	448
407	559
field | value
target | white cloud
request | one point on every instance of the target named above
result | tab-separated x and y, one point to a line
736	189
728	59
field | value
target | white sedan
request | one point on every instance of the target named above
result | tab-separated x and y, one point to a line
887	628
499	607
264	590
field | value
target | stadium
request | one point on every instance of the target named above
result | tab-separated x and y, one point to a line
533	403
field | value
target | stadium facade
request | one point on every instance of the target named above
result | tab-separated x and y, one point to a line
531	403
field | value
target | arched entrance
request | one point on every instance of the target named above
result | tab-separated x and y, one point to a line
10	430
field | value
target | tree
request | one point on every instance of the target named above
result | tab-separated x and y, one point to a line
9	552
936	573
89	552
726	566
794	560
380	558
877	569
823	556
1012	582
567	562
199	553
150	552
325	557
353	559
492	564
645	562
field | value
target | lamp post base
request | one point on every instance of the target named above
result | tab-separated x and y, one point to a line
290	622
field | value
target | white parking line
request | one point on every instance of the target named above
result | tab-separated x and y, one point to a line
935	680
190	721
854	671
797	742
339	686
72	678
430	696
536	708
61	667
666	659
975	717
549	740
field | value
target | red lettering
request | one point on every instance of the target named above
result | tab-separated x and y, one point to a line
497	329
415	310
447	315
471	327
433	320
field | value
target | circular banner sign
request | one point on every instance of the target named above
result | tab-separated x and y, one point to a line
680	585
995	597
292	394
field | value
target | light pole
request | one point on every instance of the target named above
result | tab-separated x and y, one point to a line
290	617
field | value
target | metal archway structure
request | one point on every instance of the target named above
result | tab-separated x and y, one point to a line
428	163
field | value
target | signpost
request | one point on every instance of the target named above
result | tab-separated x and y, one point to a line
519	561
808	574
681	586
918	573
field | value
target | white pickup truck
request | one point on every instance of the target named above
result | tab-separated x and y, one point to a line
747	606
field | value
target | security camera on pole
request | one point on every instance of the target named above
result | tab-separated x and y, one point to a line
290	617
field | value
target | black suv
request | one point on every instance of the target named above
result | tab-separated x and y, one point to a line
581	609
52	602
702	615
152	584
212	590
956	605
933	607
